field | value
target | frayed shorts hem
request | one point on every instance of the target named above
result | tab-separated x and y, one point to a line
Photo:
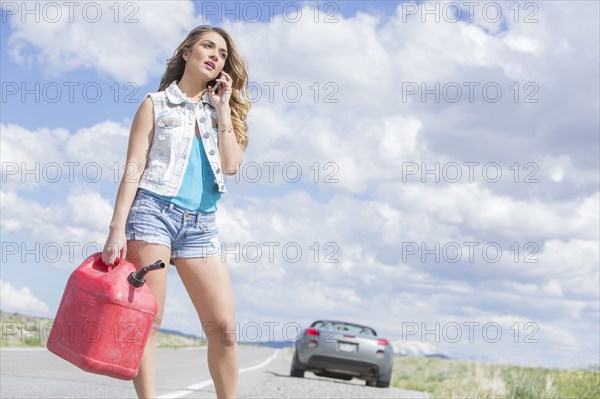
188	234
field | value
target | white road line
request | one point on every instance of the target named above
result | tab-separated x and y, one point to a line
194	387
263	364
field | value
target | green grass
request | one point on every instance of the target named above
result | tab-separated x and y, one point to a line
578	384
454	379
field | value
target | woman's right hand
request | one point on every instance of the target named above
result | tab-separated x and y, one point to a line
115	247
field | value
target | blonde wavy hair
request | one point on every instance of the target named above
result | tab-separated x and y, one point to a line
235	66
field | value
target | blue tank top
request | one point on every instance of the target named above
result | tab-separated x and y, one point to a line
198	191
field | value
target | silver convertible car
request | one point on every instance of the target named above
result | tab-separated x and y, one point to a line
343	350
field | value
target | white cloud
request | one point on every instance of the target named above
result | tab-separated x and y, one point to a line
480	209
74	227
20	145
21	300
356	153
574	264
129	50
52	157
523	44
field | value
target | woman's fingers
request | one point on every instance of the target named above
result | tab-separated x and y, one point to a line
115	247
111	255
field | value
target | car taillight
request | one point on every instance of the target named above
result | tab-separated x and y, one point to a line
383	341
312	331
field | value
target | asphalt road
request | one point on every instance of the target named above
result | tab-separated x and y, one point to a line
182	373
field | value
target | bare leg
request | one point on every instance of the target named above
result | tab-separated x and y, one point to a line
208	283
141	254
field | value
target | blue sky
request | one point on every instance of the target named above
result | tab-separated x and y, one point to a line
478	207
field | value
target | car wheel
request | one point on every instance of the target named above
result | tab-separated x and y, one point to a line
296	370
384	382
371	383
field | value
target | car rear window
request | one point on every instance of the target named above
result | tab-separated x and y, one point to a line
345	328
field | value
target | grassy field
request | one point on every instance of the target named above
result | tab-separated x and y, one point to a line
454	379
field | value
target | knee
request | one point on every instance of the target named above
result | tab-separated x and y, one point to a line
223	334
228	339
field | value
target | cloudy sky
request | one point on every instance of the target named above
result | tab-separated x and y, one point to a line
429	169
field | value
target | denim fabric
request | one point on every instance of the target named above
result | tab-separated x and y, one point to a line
189	234
174	129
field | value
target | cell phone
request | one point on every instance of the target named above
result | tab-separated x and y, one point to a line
214	83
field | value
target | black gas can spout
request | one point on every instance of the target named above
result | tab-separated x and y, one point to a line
137	278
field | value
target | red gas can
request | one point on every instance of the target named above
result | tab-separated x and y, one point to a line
104	317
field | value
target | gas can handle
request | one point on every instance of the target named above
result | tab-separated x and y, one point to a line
99	262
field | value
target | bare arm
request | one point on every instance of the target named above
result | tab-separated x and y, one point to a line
140	140
229	149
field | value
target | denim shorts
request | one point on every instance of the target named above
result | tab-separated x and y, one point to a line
189	234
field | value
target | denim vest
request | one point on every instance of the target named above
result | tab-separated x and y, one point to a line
174	129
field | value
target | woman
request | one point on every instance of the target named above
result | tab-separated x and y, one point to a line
183	139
